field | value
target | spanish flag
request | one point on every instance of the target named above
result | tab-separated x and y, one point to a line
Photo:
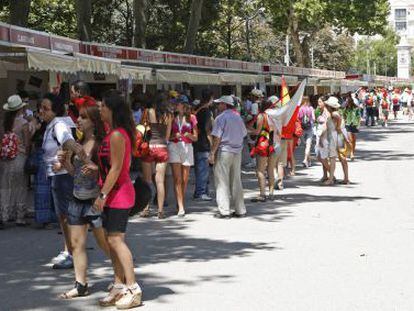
284	94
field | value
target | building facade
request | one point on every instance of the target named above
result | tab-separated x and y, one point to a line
402	20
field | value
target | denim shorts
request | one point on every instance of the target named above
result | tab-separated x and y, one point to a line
62	193
81	212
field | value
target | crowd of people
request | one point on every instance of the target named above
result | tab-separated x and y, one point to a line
79	153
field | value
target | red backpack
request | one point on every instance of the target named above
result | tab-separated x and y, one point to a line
9	146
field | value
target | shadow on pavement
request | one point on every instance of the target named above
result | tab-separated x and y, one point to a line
28	282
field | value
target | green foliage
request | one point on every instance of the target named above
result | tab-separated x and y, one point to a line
380	53
303	19
332	51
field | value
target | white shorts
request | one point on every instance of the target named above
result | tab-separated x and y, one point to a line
181	153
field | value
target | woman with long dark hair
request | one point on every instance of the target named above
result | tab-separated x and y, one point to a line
264	152
352	117
181	156
155	163
117	196
85	191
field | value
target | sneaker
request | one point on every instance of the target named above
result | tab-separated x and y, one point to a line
59	258
250	165
65	264
113	296
206	197
131	298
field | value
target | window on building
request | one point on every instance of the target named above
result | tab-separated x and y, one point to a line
400	26
400	14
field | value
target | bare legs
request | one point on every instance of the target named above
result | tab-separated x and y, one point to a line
121	259
181	174
160	169
264	163
344	164
353	145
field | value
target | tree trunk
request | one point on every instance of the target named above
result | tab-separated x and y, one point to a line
193	24
294	34
19	12
83	17
140	20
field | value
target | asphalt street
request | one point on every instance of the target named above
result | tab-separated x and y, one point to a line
314	248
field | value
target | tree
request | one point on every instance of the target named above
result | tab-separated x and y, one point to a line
302	19
333	51
380	54
193	24
140	21
19	12
83	17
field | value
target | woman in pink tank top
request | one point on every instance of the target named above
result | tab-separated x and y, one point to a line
117	197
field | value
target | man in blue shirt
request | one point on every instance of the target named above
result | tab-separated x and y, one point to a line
228	134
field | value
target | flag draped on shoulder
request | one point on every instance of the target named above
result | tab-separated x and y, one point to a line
280	116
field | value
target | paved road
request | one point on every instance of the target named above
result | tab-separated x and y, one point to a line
315	248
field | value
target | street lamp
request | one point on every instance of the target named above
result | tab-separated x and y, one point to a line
260	12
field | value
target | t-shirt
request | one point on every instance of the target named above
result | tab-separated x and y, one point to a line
57	133
182	127
204	116
122	195
255	109
230	127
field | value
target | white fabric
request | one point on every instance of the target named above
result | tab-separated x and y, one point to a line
89	63
135	73
58	130
181	153
279	117
51	62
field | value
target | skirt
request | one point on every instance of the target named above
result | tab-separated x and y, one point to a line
43	204
13	189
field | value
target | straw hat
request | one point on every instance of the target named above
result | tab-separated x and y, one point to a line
228	100
257	93
14	103
333	102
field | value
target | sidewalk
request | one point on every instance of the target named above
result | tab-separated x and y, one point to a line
314	248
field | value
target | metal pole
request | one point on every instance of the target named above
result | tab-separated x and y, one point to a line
287	57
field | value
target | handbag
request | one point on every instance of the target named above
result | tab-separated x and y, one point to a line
142	138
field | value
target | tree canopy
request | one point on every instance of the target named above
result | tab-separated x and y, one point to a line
225	28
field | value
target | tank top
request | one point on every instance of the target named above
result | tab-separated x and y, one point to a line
84	187
122	195
158	133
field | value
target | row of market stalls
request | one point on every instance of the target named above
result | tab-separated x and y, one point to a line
39	62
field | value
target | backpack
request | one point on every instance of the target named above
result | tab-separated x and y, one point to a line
369	101
305	122
9	146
